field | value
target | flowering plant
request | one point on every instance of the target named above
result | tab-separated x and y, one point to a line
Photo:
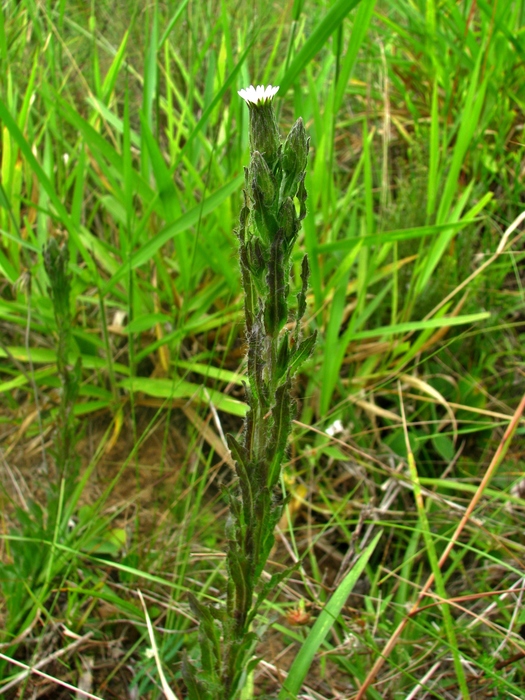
268	229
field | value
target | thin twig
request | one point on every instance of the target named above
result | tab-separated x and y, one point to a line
35	670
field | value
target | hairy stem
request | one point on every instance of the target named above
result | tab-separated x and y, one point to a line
270	219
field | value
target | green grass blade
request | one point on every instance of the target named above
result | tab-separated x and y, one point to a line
173	21
469	122
108	84
368	182
44	181
331	340
3	38
393	236
322	626
180	389
411	326
434	154
150	87
316	41
218	98
359	30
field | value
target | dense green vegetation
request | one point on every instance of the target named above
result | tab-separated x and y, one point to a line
122	352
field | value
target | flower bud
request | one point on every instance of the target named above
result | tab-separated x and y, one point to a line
255	256
288	220
295	151
262	180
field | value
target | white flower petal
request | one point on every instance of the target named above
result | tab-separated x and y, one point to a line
335	428
258	95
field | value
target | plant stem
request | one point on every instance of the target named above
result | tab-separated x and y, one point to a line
268	228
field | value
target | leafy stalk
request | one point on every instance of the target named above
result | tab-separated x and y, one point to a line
56	261
274	206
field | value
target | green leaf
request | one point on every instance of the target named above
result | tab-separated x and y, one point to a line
180	9
196	689
146	321
163	177
269	586
245	475
392	236
302	353
359	30
444	447
317	39
275	305
208	639
111	76
323	624
281	427
411	326
179	389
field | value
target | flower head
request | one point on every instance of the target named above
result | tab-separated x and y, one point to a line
264	134
259	95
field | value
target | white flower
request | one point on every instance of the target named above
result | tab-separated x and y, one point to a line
335	428
259	95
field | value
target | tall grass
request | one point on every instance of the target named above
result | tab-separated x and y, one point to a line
123	139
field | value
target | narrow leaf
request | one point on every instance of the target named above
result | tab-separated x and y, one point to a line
302	353
316	41
322	626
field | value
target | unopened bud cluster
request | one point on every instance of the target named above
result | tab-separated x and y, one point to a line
270	220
